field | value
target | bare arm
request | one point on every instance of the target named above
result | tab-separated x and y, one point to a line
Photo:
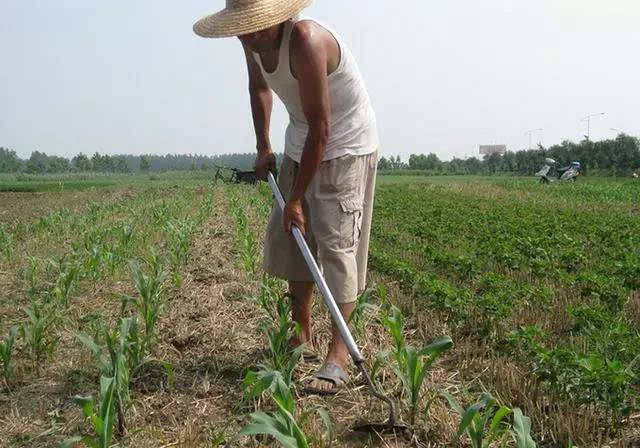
311	68
310	64
261	106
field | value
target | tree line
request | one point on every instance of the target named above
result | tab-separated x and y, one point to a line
619	156
41	163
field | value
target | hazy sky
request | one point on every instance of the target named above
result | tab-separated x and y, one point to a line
444	76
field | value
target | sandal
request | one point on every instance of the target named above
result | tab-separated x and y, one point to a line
332	373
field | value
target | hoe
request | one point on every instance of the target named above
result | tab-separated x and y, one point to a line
392	425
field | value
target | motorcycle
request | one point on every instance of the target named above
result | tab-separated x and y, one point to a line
549	173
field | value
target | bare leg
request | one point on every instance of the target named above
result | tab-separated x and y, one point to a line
338	353
301	304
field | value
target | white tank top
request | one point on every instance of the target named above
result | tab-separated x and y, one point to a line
353	122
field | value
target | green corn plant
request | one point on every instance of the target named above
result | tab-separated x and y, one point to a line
36	332
110	259
150	288
521	431
101	417
6	243
269	297
476	418
246	240
31	275
67	274
179	235
281	356
412	364
125	238
357	319
280	424
116	359
6	353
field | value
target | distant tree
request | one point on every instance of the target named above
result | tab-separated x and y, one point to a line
145	163
81	163
9	161
57	164
37	163
384	164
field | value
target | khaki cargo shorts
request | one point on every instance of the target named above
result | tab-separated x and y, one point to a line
338	206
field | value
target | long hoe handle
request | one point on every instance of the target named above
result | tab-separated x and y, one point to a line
336	315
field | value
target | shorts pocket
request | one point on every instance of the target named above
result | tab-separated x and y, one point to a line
350	223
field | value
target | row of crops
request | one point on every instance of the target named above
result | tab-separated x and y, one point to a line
270	387
551	289
134	246
494	300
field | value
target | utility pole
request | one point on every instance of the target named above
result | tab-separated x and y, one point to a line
588	120
531	132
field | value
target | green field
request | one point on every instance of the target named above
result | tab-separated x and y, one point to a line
151	287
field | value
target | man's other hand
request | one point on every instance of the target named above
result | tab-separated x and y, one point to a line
265	162
293	214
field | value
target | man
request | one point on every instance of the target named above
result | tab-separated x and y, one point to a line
328	172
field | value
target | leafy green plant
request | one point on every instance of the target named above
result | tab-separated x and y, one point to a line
67	274
280	424
150	290
6	243
36	332
6	352
479	421
412	364
246	240
179	241
101	417
357	320
521	430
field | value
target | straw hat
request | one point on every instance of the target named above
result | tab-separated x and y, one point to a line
248	16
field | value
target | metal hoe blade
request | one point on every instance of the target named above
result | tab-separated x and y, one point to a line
391	425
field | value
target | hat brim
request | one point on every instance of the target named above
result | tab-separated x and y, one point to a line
241	20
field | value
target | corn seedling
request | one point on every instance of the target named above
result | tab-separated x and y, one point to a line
149	303
521	431
246	240
357	320
179	234
126	238
6	243
475	418
101	417
6	353
31	276
66	276
120	356
412	364
35	332
280	424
